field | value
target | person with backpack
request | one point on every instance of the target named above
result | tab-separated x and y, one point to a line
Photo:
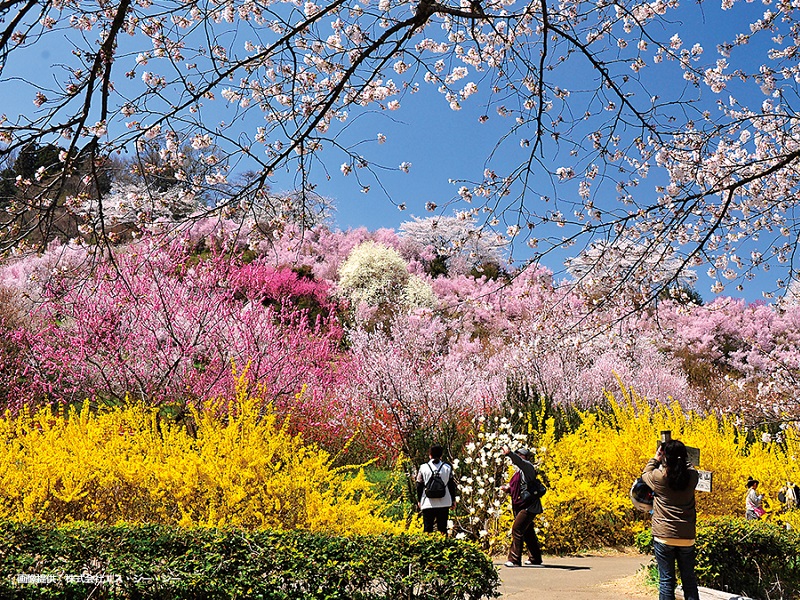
526	491
436	491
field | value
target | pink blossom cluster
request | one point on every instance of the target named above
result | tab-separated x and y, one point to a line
160	326
750	354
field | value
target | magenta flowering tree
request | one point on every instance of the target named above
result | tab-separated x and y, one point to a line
158	325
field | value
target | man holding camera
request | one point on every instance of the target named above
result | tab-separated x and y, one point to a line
525	490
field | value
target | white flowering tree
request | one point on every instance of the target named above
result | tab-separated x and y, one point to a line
630	267
263	210
484	510
607	121
376	276
132	205
792	296
458	241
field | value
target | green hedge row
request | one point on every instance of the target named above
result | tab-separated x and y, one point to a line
755	559
156	562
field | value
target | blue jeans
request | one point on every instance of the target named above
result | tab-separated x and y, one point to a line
666	557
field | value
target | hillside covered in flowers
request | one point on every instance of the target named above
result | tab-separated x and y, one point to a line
378	341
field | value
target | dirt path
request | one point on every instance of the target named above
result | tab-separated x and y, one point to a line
606	577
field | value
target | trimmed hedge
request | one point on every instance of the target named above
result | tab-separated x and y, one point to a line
752	558
756	559
157	562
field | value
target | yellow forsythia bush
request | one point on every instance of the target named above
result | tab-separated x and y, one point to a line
590	470
122	465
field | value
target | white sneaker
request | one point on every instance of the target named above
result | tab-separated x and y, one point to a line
511	564
530	563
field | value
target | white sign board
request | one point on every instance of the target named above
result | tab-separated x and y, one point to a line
704	483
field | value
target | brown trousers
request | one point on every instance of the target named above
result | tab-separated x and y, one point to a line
523	532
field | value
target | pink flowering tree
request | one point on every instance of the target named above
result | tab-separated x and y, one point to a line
169	324
744	356
321	249
418	385
571	354
558	341
163	327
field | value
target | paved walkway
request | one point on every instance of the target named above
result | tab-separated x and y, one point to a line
606	577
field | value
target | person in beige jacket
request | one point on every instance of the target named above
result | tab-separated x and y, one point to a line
673	481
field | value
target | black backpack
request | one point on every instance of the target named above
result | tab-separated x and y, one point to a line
435	487
530	491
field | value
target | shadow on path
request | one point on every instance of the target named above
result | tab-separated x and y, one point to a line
577	578
563	567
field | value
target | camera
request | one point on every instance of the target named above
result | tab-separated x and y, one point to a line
666	436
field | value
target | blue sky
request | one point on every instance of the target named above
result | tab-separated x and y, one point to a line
439	143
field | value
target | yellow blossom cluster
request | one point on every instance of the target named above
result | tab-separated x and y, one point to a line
590	470
238	467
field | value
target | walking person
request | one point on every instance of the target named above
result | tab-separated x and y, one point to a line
436	491
525	490
753	501
673	481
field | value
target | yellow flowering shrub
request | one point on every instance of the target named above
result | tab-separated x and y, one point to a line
590	469
242	469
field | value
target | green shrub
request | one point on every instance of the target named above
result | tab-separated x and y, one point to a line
154	562
644	541
752	558
756	559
